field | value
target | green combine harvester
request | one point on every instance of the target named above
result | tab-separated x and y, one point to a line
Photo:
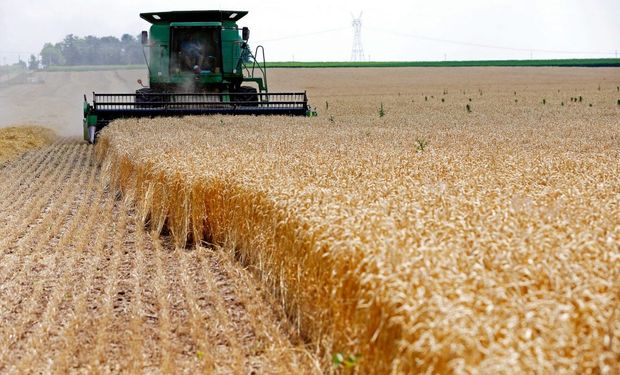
199	63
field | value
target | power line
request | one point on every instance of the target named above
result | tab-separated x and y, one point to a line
490	46
303	35
434	39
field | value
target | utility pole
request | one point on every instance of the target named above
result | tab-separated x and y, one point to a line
357	52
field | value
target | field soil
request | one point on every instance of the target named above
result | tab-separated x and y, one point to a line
84	287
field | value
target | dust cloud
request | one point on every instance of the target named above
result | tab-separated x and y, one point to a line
55	99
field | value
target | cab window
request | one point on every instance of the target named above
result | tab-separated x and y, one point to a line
195	49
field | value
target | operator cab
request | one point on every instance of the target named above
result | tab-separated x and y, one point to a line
195	49
199	51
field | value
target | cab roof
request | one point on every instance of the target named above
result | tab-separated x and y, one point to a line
158	18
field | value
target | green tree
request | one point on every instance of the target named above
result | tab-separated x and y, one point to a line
51	55
33	63
92	50
70	51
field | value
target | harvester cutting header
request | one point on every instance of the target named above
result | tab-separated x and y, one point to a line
199	63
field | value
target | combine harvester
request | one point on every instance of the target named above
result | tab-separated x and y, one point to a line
198	65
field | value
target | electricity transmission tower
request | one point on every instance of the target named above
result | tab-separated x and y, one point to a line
357	52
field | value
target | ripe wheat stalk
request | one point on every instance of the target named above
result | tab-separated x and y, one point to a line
496	246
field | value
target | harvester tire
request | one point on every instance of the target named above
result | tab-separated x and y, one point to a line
142	98
246	94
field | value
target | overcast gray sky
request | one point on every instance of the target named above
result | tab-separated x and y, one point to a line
320	30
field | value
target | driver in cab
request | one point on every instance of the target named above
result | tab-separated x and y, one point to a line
192	54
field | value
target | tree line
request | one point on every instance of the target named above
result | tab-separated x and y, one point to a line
90	50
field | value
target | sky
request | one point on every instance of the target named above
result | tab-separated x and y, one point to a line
321	30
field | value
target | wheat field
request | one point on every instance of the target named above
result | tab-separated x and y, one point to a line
427	221
16	140
466	223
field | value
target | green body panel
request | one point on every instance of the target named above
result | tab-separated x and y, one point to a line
160	54
229	73
89	120
231	52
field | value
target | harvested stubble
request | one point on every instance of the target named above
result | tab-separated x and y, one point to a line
83	288
494	250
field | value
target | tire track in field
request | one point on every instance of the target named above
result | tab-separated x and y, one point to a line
84	288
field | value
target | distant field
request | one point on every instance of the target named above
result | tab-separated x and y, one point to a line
381	64
447	64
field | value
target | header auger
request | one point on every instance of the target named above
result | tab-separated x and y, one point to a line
199	63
